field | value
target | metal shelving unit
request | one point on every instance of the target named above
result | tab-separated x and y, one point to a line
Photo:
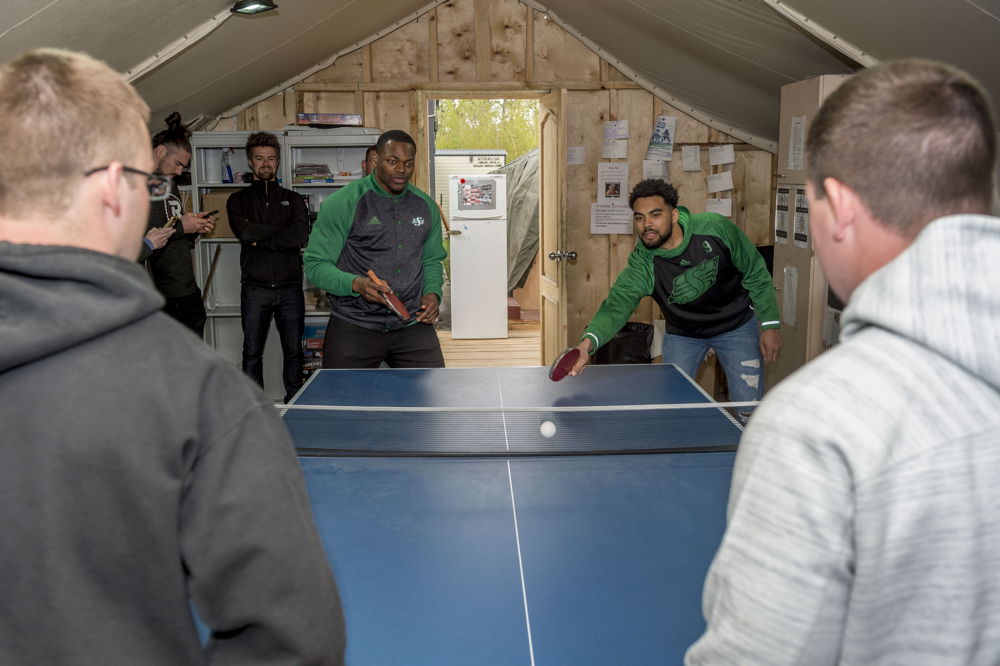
217	260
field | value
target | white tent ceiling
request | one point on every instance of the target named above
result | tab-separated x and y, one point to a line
724	61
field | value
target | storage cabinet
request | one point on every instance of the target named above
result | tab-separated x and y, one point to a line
217	258
807	316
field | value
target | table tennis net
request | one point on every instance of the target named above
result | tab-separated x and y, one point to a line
512	432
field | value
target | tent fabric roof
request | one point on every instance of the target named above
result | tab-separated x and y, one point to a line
722	61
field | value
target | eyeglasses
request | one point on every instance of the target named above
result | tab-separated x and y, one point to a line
159	186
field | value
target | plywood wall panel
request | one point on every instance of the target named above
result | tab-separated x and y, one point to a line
559	56
390	110
330	102
456	41
588	277
275	112
752	196
348	68
403	56
508	40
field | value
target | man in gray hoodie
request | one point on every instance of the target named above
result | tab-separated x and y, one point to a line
140	474
864	515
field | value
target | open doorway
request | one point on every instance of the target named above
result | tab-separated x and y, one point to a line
492	137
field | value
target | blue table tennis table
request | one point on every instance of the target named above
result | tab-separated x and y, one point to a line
522	558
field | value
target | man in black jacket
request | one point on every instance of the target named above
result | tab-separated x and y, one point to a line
273	226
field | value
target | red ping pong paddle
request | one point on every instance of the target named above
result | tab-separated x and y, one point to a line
563	364
390	297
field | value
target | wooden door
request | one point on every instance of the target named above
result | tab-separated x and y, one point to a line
550	224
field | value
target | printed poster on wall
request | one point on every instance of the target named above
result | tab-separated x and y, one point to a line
661	144
612	183
782	215
800	223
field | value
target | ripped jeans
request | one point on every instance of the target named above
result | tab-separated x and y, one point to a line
738	351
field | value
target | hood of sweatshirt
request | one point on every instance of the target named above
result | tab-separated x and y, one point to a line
54	297
941	293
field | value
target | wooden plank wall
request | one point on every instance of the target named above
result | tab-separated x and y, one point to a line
496	48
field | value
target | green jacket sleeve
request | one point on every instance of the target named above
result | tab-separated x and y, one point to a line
433	254
633	283
756	279
326	242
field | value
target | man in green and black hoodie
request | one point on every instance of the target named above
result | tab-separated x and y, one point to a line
711	284
383	224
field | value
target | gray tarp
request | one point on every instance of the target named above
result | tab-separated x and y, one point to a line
522	216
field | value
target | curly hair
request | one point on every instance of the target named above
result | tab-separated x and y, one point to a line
654	187
262	140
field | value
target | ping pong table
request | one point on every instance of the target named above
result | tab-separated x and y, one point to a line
520	558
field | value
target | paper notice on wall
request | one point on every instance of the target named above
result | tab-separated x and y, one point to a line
790	294
720	182
656	169
782	215
796	142
720	206
661	144
612	183
800	221
615	149
721	155
691	158
610	219
615	139
576	155
616	129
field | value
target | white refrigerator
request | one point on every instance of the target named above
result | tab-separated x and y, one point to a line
478	221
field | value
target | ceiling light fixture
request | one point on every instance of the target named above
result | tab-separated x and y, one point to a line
252	6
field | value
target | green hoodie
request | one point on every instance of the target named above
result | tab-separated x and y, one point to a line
712	283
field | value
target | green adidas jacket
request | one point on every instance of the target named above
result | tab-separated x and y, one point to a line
362	227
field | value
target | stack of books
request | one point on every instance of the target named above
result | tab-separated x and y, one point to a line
312	173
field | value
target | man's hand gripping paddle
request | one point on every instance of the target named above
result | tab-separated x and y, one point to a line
563	364
390	297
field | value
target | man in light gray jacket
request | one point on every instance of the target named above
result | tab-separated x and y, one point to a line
864	516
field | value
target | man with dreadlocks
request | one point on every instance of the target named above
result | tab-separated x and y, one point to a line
171	265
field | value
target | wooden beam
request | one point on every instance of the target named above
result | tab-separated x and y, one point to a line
491	86
432	40
484	50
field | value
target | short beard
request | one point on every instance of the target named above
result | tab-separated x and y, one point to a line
660	240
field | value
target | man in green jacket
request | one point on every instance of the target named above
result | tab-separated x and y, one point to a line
711	284
383	224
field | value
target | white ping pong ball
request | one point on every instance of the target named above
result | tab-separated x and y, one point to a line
548	428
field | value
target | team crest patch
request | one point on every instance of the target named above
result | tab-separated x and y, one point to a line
374	220
417	221
694	282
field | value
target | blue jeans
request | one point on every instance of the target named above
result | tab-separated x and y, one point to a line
738	351
286	305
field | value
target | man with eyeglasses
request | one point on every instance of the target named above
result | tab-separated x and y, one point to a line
171	265
142	475
380	225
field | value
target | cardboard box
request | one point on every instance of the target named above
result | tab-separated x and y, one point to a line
217	201
339	119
